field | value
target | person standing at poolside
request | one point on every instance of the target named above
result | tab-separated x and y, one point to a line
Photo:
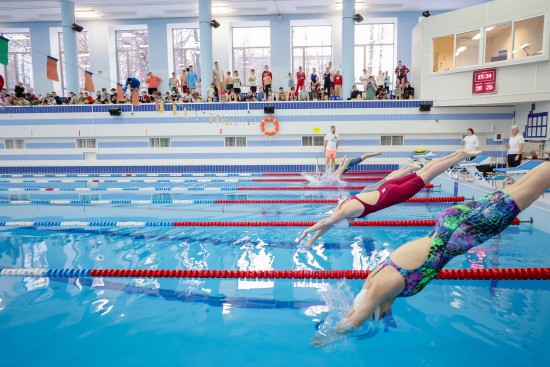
515	147
470	141
331	146
153	82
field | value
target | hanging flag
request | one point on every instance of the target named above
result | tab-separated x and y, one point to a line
157	104
185	114
174	109
51	69
119	93
4	50
135	98
88	82
161	109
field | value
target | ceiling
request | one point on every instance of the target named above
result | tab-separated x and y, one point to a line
49	10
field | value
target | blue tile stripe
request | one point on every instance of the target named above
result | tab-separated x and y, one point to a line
123	144
239	106
179	169
50	145
169	119
41	157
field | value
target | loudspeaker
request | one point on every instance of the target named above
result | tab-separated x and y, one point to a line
77	28
425	107
269	109
114	111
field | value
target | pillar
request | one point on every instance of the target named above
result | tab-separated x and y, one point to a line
69	46
207	64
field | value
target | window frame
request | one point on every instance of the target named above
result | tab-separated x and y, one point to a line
313	139
174	51
303	62
392	140
235	140
30	84
86	143
544	56
14	144
243	71
160	142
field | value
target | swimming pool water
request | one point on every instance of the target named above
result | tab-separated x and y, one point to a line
192	322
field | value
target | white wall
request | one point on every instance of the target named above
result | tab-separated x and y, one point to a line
517	80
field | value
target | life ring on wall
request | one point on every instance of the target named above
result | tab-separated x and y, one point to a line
268	120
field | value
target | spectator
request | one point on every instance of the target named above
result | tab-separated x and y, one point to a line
397	91
303	95
408	91
56	98
381	92
133	83
19	90
470	141
290	81
1	82
211	93
314	78
327	80
112	96
380	79
387	81
401	72
144	98
270	96
364	78
232	96
282	94
153	82
195	97
249	95
267	79
237	84
192	80
228	82
300	79
371	88
183	81
355	93
292	94
252	83
174	82
223	96
218	78
338	84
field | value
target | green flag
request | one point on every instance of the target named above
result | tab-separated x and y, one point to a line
4	50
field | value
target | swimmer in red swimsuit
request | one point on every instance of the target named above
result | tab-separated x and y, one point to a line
391	192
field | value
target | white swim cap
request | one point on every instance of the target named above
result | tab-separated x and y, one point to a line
342	224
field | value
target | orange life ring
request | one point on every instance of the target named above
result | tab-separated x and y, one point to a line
275	123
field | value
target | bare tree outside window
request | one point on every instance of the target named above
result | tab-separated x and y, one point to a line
186	46
251	50
83	53
311	48
374	48
19	68
132	54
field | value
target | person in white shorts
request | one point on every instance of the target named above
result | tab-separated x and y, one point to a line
331	146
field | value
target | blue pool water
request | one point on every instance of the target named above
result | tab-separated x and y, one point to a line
209	322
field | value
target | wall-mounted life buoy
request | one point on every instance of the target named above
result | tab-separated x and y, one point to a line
269	120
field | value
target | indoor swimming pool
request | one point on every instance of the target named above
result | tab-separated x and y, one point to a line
245	322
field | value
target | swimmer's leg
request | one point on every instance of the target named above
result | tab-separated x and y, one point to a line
393	175
530	187
437	166
356	161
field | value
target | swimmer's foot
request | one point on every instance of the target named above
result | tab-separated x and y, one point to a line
370	154
465	153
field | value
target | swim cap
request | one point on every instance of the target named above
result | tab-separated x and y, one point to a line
342	224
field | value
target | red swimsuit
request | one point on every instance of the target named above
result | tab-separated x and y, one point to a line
392	192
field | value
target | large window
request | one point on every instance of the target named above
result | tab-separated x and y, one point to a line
467	49
132	54
443	53
528	37
83	52
498	41
311	48
251	50
19	68
374	48
186	44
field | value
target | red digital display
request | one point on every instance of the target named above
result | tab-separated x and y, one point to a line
485	81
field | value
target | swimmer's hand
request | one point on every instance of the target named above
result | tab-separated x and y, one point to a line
327	336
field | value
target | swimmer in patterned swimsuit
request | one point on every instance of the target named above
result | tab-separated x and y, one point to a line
391	192
412	266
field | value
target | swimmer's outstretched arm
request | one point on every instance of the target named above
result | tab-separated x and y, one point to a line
321	227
